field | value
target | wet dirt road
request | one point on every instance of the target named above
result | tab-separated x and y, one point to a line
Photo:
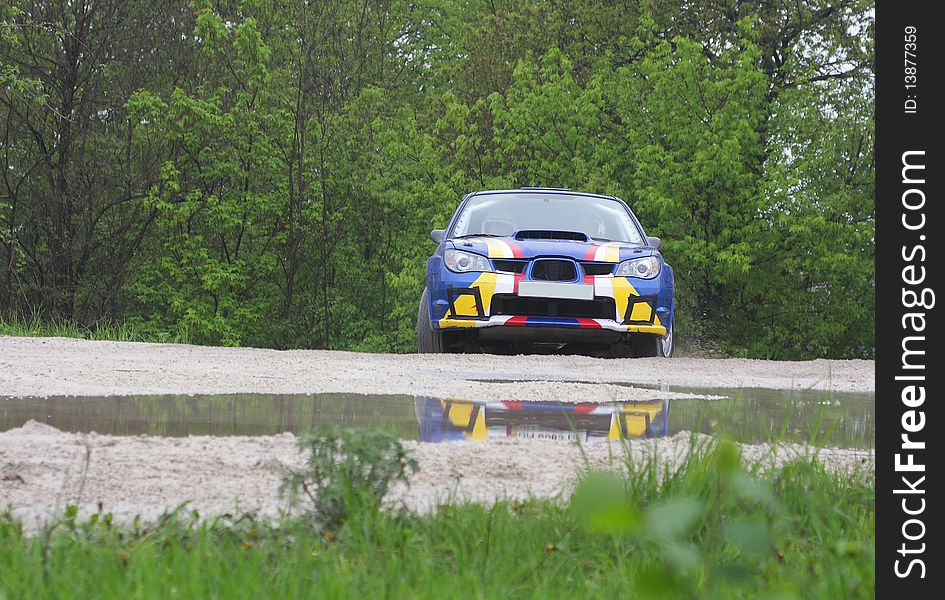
64	367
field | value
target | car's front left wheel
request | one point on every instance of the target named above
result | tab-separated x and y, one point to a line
429	340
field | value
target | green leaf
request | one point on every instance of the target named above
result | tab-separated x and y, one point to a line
673	518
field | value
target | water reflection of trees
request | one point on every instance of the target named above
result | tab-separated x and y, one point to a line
755	415
231	414
844	420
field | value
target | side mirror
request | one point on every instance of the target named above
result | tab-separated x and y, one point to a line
654	242
437	235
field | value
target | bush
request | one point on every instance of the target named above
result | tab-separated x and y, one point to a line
347	471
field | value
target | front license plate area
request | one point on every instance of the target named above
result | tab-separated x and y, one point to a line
554	289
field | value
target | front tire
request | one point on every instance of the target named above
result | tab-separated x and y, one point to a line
648	345
667	343
429	340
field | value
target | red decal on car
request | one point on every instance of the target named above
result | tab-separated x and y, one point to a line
516	250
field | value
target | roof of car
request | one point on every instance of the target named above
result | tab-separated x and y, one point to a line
540	190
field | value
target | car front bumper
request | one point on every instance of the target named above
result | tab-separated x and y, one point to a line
634	306
557	322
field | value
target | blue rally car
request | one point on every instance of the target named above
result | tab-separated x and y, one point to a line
545	269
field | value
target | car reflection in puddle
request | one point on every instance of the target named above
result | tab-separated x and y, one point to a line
453	419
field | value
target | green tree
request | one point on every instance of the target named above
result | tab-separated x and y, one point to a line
263	172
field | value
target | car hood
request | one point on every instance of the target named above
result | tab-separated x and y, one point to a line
509	247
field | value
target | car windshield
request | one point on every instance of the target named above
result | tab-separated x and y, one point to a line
502	215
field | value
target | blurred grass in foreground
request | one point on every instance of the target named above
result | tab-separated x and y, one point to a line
715	528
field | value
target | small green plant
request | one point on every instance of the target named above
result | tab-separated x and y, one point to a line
347	471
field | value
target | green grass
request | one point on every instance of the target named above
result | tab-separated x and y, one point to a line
119	331
713	529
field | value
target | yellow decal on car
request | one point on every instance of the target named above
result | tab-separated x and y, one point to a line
623	290
498	248
609	252
464	305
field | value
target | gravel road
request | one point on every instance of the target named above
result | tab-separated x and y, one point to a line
59	366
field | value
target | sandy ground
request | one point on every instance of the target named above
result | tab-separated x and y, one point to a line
42	470
59	366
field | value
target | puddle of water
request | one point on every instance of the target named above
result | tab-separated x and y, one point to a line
229	414
842	420
747	415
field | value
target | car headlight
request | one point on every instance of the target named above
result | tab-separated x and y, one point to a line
644	268
459	261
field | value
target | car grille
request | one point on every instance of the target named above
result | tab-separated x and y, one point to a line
596	268
519	266
598	308
554	270
511	266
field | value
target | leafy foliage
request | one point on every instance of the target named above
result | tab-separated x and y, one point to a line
265	173
347	471
714	523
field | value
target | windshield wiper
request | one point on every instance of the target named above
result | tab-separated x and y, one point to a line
469	235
